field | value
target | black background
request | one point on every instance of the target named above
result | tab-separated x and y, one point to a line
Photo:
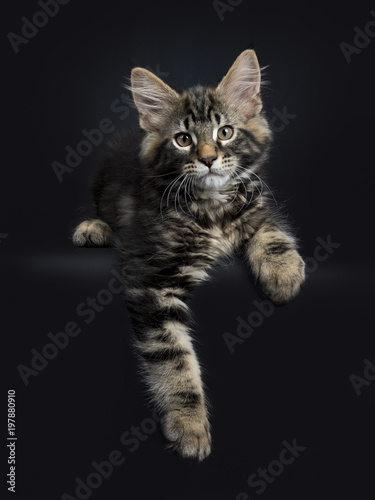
290	379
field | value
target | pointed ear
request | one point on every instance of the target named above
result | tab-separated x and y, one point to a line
153	98
240	87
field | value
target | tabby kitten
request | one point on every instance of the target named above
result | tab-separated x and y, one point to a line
174	198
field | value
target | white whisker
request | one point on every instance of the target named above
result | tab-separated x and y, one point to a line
247	170
267	186
187	187
170	190
244	203
161	201
178	196
233	175
247	174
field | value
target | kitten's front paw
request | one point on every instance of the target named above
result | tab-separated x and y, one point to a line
281	276
93	233
187	433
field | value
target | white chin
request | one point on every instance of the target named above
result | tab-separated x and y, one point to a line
212	181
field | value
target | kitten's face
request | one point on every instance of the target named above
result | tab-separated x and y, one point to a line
210	135
207	141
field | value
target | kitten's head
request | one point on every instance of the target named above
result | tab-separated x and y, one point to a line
210	134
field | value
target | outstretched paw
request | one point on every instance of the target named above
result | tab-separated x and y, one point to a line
187	433
281	276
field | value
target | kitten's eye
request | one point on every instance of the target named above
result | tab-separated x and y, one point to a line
183	140
225	133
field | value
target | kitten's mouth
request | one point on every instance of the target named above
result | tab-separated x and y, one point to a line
212	179
212	172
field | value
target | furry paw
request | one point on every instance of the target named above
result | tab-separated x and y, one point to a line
93	233
188	434
281	276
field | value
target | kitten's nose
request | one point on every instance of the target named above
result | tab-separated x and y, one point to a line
208	160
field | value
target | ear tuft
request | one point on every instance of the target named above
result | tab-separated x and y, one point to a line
152	97
240	87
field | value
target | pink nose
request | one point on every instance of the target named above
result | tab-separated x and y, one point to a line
208	160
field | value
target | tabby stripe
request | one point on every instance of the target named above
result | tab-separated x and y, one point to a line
211	99
175	313
161	355
157	318
161	314
188	399
143	323
250	136
277	248
220	146
250	158
162	337
142	320
187	106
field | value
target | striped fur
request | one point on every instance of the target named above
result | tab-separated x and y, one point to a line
173	212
